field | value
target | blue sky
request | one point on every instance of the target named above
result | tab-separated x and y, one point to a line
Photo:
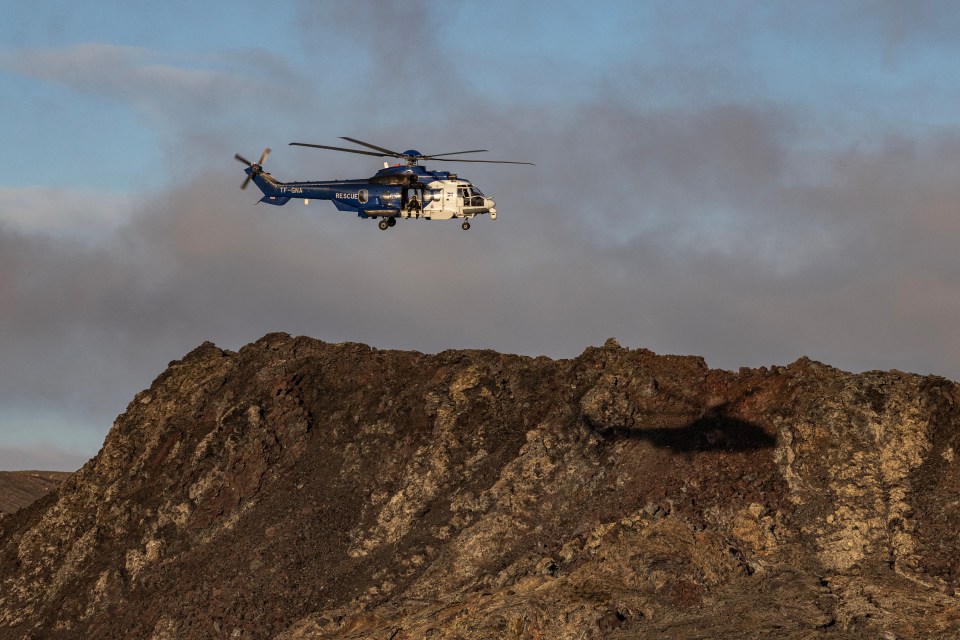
751	182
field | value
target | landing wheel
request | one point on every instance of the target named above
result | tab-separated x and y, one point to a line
465	225
383	224
392	222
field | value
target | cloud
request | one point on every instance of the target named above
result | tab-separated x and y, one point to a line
170	90
906	26
63	212
385	59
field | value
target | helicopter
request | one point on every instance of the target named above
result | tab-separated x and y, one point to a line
406	190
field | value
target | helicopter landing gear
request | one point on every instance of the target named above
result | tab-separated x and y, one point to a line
465	225
383	224
392	222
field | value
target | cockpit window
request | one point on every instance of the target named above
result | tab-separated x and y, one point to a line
470	195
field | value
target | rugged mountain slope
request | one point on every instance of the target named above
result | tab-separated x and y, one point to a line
20	488
298	489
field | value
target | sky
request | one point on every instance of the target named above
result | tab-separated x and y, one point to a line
750	182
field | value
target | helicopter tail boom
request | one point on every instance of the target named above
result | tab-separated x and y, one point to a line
272	189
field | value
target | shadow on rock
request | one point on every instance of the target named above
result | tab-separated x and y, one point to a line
714	432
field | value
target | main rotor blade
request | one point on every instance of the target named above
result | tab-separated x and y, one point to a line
242	159
324	146
487	161
395	154
453	153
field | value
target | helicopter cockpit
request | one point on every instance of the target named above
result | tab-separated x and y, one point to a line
470	195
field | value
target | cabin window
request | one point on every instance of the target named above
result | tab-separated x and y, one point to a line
363	196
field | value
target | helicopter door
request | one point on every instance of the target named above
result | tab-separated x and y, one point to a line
413	202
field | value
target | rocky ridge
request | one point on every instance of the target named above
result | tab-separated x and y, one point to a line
299	489
20	488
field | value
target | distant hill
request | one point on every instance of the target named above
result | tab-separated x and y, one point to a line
302	490
20	488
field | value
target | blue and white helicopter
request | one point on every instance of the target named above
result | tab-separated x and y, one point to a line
399	191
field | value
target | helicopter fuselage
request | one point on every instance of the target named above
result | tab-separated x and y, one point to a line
410	191
394	192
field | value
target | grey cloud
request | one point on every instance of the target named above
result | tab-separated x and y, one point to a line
388	60
71	213
907	25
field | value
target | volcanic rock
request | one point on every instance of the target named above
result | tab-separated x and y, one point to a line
297	489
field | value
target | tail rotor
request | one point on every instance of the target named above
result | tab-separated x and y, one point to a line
256	168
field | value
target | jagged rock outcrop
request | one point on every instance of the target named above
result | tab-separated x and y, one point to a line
298	489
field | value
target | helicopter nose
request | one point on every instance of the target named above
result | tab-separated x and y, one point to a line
488	203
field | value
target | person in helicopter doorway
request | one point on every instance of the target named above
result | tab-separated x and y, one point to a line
413	203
